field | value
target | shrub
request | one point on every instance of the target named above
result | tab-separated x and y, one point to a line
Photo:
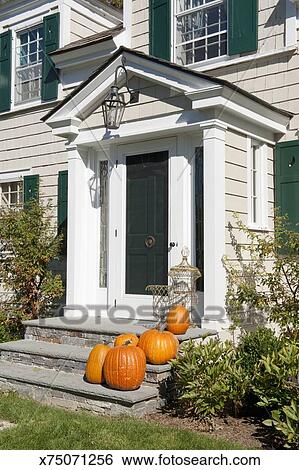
208	378
254	345
275	385
11	327
28	243
253	287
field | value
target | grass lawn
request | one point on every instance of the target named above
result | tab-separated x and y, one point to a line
44	427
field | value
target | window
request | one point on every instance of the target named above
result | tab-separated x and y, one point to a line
199	215
103	196
201	30
257	186
11	194
29	56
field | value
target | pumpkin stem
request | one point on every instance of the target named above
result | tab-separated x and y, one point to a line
129	341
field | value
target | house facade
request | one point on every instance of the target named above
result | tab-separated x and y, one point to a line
212	132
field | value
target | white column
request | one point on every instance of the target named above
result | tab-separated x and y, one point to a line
214	224
77	237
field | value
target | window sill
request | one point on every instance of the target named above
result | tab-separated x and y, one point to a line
32	106
257	228
226	61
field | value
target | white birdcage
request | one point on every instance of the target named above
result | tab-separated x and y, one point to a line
180	291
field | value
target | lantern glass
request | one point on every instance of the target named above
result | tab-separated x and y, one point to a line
113	108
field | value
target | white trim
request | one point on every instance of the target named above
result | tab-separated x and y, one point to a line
214	148
290	24
205	66
65	23
18	175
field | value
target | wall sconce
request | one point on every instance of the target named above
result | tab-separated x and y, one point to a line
114	104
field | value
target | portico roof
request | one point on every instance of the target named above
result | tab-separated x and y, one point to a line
203	91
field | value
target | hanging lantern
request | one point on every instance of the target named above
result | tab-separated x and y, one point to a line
114	104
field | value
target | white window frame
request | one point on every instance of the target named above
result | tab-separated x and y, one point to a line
176	14
261	222
16	66
9	181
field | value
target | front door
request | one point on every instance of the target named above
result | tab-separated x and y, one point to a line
287	181
146	221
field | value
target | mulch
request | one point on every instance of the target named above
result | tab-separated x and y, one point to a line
247	432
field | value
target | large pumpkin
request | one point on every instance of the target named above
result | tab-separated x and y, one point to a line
124	367
95	362
122	340
159	346
178	320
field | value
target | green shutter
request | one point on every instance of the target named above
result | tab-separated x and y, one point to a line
242	26
287	181
160	21
31	187
51	43
5	71
62	200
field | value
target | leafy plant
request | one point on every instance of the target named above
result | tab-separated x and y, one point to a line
254	345
286	422
28	244
277	389
11	327
209	378
264	278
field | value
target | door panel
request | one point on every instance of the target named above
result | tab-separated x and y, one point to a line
147	221
287	181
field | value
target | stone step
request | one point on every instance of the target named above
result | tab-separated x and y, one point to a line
71	391
94	330
65	358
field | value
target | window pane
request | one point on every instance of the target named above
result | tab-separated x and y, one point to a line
29	65
103	222
208	23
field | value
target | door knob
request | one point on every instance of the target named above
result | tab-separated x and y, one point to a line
150	241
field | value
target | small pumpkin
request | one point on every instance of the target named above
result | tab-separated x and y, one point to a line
178	320
124	367
95	362
159	346
121	340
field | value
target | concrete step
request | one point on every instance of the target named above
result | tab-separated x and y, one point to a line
71	391
64	358
94	330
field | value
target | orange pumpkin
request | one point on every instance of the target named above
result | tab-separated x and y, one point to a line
95	362
178	320
122	340
124	367
159	346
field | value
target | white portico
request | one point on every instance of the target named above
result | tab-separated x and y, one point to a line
164	174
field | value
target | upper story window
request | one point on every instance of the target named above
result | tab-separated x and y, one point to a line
29	56
201	30
11	194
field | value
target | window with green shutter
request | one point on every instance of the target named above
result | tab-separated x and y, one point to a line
62	206
243	26
5	71
31	188
50	77
160	21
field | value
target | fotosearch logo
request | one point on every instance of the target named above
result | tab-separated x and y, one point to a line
77	314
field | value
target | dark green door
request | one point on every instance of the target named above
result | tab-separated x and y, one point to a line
147	221
287	181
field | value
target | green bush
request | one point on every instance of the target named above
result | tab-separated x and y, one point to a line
275	385
254	345
208	378
11	328
28	244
